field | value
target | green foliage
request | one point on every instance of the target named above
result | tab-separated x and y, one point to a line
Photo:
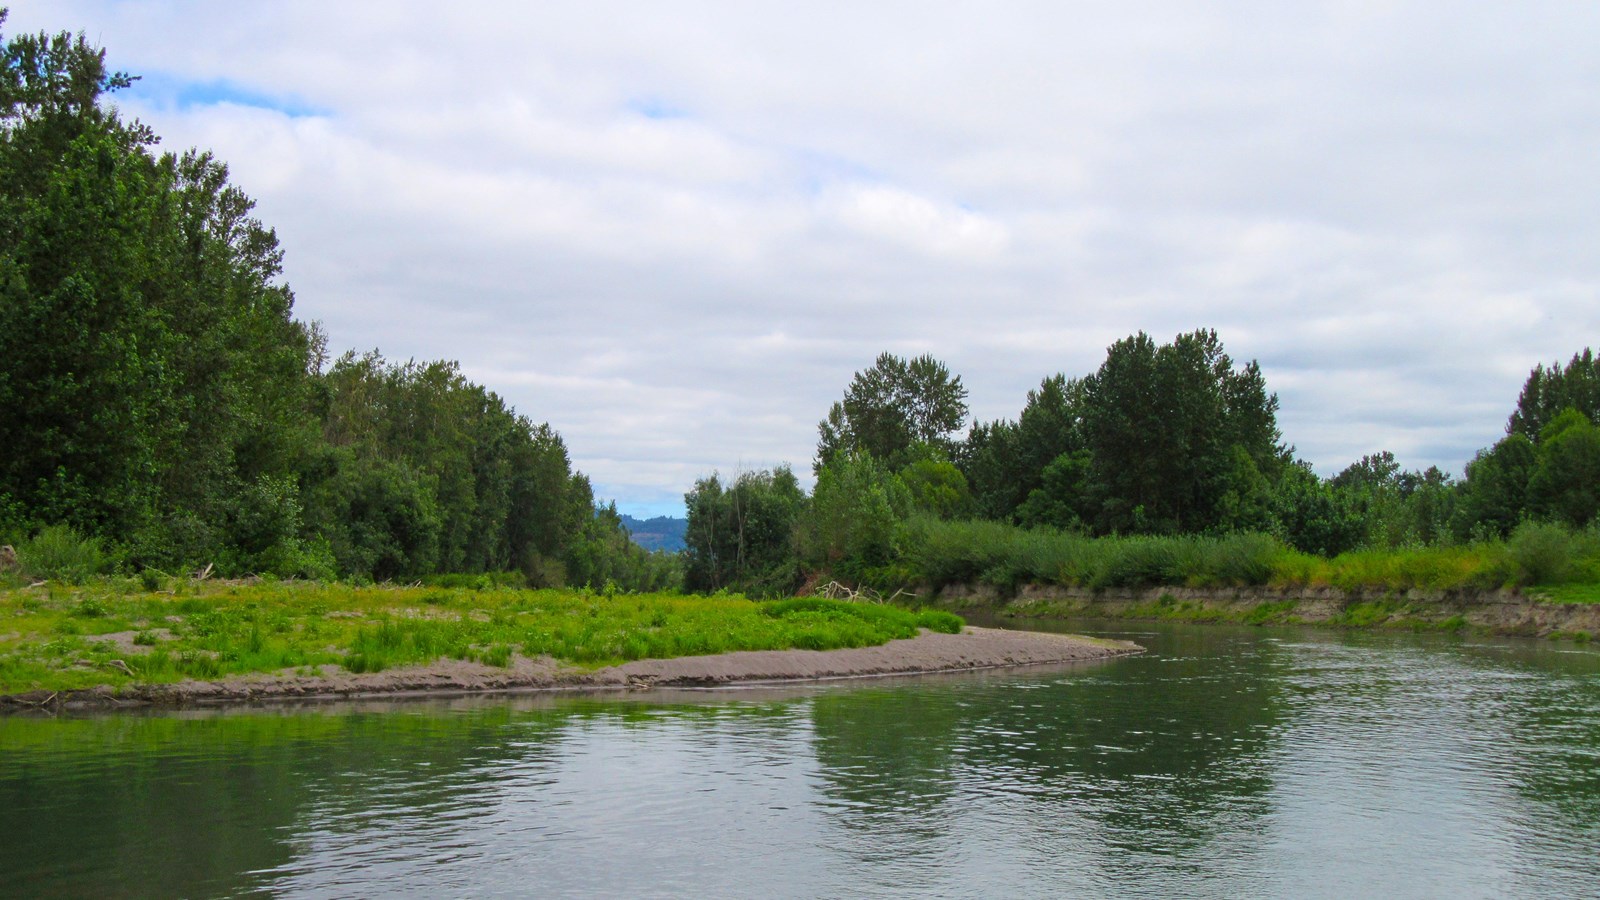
1565	487
1007	463
1549	392
843	623
942	553
1162	424
892	407
742	537
1062	498
1494	498
602	556
1313	517
1397	508
1473	566
1542	553
936	487
60	553
159	394
855	515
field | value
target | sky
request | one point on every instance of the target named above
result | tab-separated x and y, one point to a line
675	231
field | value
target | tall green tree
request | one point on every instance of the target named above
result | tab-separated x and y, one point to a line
892	407
741	536
1551	390
150	370
1494	497
1162	424
1565	486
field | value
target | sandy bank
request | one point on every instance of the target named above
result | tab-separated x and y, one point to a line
974	648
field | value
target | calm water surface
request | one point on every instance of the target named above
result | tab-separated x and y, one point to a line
1226	762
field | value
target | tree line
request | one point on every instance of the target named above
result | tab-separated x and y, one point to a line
157	394
1162	439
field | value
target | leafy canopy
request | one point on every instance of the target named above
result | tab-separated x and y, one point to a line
893	407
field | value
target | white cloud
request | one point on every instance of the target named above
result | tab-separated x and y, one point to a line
914	222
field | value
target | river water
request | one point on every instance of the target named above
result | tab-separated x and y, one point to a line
1226	762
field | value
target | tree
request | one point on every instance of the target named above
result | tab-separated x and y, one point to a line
1565	487
1494	499
1060	499
937	487
1161	424
1006	462
995	471
156	391
152	375
891	407
1312	517
1550	391
741	536
856	509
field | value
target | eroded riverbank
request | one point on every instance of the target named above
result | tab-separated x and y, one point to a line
1502	612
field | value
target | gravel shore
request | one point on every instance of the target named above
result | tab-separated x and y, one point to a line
973	648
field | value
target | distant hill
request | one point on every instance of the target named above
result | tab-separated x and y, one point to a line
660	533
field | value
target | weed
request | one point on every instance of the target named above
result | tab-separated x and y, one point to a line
60	553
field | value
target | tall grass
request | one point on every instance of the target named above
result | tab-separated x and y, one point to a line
939	553
60	553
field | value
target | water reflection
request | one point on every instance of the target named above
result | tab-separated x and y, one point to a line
1226	761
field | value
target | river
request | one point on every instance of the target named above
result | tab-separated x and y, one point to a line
1226	762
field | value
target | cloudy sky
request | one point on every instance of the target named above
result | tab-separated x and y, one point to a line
675	230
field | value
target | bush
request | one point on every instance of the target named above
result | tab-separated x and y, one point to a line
1541	553
59	553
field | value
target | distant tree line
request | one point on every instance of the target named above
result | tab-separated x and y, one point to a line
157	394
1162	439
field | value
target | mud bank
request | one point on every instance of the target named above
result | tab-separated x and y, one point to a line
1492	612
930	652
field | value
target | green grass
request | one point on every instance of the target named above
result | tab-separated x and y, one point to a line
55	637
940	553
1568	593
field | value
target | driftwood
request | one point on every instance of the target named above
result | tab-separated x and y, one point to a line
203	574
833	590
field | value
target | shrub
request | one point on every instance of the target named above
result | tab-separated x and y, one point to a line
59	553
1541	553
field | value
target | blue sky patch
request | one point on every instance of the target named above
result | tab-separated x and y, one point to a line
657	108
183	94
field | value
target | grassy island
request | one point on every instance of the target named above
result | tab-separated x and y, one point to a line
118	631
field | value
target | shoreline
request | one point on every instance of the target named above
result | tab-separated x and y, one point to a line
1498	612
930	652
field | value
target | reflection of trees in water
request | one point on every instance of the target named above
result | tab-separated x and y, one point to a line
1165	752
183	804
180	805
886	756
1553	718
1518	720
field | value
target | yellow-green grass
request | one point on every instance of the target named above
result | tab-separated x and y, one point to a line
1568	593
56	637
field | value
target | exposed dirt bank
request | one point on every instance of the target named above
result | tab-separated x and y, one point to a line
974	648
1493	612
